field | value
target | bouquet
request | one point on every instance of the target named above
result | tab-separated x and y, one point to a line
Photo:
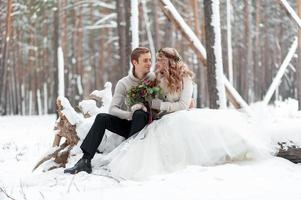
143	93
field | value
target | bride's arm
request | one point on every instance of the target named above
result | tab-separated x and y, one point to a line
184	101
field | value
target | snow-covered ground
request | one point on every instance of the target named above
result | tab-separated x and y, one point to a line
23	140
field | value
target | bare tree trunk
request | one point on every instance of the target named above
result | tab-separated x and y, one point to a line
135	23
101	73
204	81
72	66
92	52
64	25
201	71
149	33
257	55
229	42
248	67
47	72
167	41
122	36
156	24
267	72
79	62
128	38
214	56
14	77
250	71
55	50
3	67
100	69
34	81
298	81
18	71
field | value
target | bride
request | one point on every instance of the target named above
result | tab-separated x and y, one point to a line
187	137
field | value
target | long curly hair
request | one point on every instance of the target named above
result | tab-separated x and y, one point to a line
176	70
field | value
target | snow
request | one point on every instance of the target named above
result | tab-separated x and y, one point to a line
23	99
23	140
39	102
79	84
45	98
72	116
105	95
30	103
61	78
134	27
135	23
218	54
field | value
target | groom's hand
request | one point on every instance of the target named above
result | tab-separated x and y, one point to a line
138	106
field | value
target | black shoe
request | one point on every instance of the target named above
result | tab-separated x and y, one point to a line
82	165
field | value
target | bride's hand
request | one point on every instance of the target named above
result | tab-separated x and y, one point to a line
156	104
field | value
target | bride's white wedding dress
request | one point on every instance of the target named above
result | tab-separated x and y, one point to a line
197	137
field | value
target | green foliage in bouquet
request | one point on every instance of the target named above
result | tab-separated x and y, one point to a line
143	93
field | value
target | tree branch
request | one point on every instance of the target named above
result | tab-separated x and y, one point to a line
4	192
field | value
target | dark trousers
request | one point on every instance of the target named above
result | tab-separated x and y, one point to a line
114	124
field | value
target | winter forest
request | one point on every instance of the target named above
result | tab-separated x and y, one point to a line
96	38
229	130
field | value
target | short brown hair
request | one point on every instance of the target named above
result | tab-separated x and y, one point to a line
137	52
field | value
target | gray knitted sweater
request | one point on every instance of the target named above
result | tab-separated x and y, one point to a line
118	107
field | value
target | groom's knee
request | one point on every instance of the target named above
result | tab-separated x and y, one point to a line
102	117
139	114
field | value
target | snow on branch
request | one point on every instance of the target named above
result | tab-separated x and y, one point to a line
291	12
113	15
215	23
95	3
61	78
281	72
72	116
135	23
134	26
235	94
5	193
110	25
100	23
168	7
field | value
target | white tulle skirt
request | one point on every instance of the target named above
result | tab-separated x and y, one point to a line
197	137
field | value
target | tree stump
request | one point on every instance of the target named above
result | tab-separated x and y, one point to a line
69	119
65	129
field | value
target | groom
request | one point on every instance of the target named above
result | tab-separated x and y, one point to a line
121	119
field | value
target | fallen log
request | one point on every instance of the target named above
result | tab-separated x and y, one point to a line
289	151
